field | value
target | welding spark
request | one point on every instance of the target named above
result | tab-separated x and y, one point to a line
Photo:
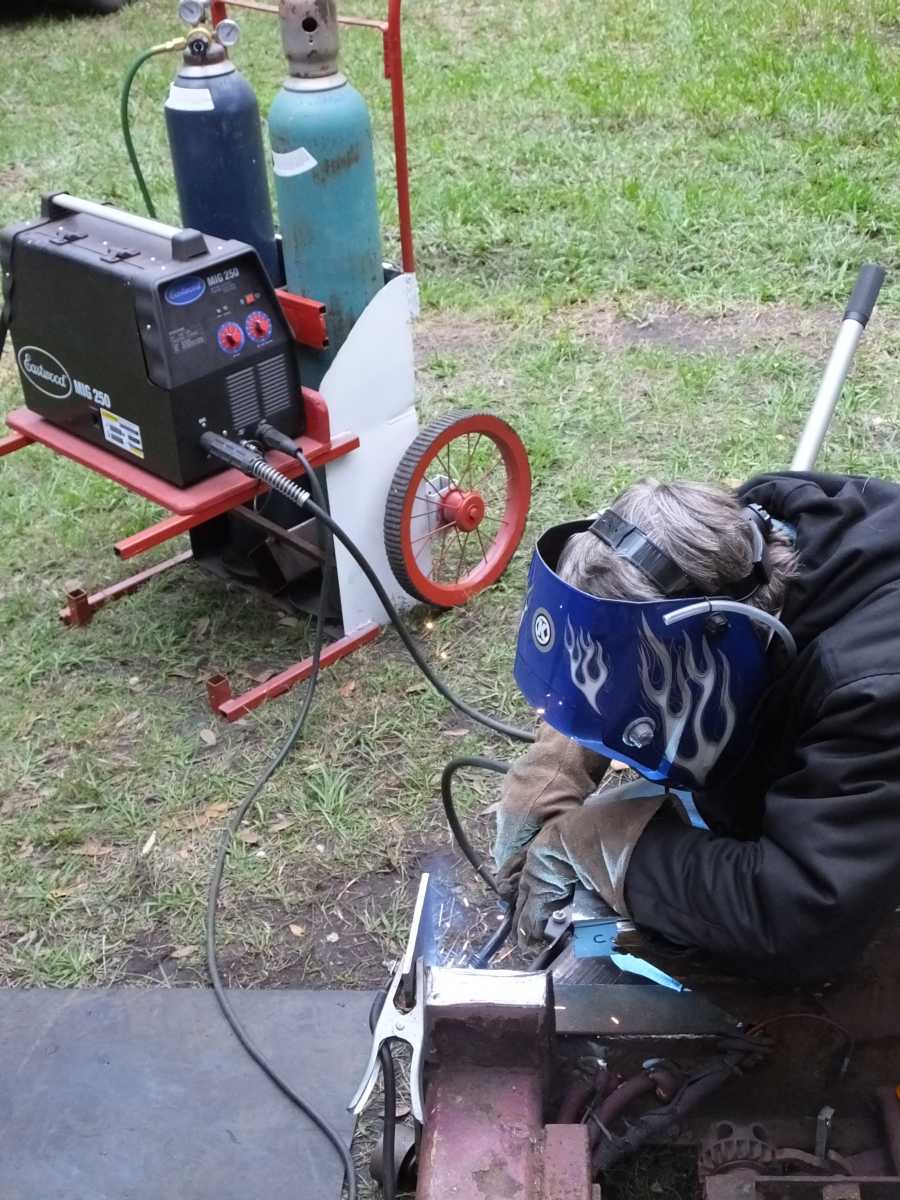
587	664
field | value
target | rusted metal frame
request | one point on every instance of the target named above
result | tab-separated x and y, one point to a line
232	708
80	606
14	441
392	51
280	533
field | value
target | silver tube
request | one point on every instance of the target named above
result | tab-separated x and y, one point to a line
735	606
108	213
828	395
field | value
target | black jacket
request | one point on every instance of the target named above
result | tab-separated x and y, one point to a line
803	859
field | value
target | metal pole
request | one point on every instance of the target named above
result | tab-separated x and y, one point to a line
856	317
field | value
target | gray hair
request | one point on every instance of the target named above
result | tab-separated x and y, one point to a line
700	526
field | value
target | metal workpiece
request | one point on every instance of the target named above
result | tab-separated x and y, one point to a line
489	1054
614	1011
489	1016
309	33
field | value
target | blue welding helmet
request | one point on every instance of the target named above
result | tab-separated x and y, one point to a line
675	701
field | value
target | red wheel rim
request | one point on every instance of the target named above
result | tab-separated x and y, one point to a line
478	518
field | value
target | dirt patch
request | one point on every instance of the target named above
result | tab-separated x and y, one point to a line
737	330
348	936
13	177
654	324
154	957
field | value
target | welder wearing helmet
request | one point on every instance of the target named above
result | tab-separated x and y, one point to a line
741	651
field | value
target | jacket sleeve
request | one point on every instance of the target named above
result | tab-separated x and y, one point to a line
799	903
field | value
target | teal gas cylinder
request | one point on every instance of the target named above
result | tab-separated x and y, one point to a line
321	137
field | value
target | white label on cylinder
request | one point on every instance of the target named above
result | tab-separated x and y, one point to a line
190	99
295	162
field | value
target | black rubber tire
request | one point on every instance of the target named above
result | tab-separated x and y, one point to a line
393	513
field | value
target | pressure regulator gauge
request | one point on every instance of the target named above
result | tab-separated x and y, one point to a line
227	33
191	11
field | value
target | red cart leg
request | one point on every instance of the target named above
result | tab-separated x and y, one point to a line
231	708
80	607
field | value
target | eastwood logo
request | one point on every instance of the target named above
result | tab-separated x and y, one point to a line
46	372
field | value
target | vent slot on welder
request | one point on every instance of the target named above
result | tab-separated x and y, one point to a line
275	386
259	391
243	398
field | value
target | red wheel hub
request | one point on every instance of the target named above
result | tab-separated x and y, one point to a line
465	510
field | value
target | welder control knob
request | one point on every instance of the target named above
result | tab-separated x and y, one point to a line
258	326
230	337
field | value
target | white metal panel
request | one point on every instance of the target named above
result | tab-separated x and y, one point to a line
357	492
372	378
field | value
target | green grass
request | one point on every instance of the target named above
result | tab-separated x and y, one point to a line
635	224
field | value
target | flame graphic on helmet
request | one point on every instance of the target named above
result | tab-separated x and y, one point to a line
587	664
673	698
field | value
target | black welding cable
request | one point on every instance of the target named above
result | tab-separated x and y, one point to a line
459	834
479	958
216	882
489	722
278	441
389	1132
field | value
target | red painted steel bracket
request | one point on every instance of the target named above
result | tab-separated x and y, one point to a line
218	687
14	441
80	606
305	317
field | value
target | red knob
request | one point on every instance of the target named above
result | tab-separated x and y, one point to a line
231	337
259	326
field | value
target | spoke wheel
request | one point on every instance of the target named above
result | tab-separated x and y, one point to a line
457	507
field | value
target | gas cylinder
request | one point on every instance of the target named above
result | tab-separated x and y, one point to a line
215	139
321	137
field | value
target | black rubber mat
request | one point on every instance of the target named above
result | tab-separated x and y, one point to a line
134	1094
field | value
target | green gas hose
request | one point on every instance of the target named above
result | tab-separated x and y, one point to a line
162	48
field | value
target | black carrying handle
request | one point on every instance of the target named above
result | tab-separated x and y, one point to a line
865	293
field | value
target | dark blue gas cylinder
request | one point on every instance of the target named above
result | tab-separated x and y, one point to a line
215	139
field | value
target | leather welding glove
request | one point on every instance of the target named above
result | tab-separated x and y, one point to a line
590	845
553	776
